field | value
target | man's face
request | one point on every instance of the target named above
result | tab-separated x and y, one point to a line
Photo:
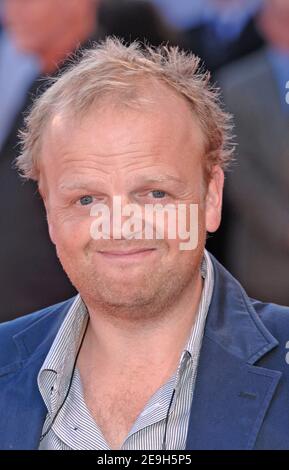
36	24
144	156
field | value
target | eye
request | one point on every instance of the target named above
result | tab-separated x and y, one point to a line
158	194
85	200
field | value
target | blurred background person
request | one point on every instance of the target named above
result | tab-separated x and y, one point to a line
258	186
36	38
218	31
17	71
183	14
138	20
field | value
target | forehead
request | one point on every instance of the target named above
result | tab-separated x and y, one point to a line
162	131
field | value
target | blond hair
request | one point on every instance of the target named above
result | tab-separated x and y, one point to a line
113	69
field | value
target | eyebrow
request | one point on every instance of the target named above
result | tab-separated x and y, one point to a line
163	179
76	185
73	185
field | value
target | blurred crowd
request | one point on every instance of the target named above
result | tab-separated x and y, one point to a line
245	45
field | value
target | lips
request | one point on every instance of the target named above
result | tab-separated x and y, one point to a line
130	252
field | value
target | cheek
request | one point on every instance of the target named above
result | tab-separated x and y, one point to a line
182	262
71	233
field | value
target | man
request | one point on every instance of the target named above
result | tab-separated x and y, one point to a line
18	70
161	349
254	90
37	38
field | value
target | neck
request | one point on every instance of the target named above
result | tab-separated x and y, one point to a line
157	344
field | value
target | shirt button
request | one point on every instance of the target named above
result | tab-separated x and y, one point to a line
74	428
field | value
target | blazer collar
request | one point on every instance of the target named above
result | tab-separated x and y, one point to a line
38	336
232	321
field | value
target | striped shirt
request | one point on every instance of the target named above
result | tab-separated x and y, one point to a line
75	429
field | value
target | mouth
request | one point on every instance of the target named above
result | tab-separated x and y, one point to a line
127	255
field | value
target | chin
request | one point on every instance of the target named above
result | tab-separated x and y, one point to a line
130	295
128	277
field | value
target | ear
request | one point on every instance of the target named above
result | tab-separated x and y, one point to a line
214	199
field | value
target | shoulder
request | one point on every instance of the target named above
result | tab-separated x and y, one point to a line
40	324
276	320
275	317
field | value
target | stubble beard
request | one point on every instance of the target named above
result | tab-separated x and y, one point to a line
149	299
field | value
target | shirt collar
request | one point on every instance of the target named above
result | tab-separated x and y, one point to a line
55	373
193	346
207	273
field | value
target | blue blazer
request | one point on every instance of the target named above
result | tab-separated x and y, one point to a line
241	398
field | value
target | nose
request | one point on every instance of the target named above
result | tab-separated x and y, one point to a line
126	218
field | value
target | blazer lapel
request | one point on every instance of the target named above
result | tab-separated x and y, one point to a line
231	394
